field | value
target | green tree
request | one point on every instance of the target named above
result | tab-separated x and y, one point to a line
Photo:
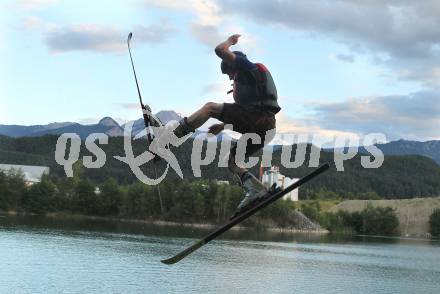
368	196
199	193
226	200
4	201
12	189
336	222
110	198
40	196
311	210
434	223
152	202
134	202
209	200
236	195
182	209
280	212
63	200
85	200
378	221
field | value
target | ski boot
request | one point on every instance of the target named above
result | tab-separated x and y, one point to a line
254	192
149	118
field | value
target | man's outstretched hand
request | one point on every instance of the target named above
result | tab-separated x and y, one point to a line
234	39
215	129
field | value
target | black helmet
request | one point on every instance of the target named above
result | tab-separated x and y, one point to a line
226	66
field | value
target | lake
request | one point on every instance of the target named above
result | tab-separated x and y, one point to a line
47	255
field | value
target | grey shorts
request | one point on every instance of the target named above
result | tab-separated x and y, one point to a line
248	119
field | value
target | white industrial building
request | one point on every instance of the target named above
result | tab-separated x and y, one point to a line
271	176
32	173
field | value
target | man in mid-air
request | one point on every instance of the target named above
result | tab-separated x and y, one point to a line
253	111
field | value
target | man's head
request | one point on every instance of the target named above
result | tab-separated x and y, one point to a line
230	69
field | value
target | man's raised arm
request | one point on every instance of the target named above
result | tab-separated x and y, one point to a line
222	49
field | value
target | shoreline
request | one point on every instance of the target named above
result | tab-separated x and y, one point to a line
202	226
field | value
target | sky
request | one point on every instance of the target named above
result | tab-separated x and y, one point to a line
342	67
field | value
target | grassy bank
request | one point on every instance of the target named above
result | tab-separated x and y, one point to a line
413	214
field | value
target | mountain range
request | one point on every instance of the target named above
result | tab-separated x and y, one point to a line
429	149
107	125
110	127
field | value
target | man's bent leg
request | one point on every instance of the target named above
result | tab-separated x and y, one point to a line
210	109
197	119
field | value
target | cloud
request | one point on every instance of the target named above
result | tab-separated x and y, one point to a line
403	28
206	34
205	27
345	57
38	24
103	39
402	33
155	33
307	129
96	38
85	38
207	11
210	26
427	71
35	4
413	116
33	22
130	106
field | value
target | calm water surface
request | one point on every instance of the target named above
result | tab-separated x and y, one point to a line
39	255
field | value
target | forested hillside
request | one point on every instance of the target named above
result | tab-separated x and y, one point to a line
399	176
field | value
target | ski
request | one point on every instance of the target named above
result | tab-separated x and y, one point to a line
246	214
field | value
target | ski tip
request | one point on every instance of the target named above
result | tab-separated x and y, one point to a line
181	255
168	261
176	258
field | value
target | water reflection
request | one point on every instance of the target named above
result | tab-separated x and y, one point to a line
113	228
51	255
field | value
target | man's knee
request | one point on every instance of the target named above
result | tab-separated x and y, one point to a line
212	109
